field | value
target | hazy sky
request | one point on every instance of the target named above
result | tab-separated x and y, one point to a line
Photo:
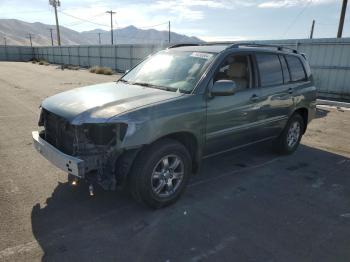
207	19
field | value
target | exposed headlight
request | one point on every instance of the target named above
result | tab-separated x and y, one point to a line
103	134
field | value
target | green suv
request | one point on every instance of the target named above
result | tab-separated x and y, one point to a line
151	129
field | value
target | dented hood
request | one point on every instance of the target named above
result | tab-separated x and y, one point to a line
98	103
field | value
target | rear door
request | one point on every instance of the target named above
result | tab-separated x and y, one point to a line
276	94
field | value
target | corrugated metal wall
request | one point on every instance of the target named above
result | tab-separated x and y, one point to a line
16	53
117	57
329	59
330	63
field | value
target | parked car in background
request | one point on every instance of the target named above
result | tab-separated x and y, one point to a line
151	129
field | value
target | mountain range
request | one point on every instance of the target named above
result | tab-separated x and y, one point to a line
17	32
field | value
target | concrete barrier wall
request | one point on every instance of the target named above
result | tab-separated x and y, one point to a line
329	59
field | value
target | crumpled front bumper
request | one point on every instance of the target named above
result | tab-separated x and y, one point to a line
67	163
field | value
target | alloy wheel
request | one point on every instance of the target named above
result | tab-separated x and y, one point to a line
167	175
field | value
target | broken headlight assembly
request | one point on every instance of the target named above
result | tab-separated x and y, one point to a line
105	134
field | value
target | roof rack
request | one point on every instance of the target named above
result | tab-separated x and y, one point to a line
180	45
200	44
278	47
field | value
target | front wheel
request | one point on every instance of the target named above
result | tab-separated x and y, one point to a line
290	138
160	173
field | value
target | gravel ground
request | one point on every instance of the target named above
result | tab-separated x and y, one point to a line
249	205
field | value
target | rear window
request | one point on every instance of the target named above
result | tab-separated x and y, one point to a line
285	70
296	68
269	69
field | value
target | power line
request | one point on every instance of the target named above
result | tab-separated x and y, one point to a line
84	20
296	18
27	12
145	27
123	36
324	24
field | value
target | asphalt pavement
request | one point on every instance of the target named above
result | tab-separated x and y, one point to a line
247	205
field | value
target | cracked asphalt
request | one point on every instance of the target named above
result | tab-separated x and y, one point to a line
247	205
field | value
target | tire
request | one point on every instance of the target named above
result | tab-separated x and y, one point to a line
160	173
289	139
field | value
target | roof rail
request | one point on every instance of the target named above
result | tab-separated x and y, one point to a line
180	45
278	47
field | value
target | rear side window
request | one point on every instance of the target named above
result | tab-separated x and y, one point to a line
270	69
296	68
285	70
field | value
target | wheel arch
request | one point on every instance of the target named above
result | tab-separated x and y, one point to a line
304	112
187	139
190	141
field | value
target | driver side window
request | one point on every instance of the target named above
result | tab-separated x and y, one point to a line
238	69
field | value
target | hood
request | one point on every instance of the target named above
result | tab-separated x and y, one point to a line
98	103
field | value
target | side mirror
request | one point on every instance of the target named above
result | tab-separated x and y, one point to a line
224	88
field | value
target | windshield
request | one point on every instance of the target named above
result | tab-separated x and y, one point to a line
170	70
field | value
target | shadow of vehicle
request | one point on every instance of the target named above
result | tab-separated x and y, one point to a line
248	205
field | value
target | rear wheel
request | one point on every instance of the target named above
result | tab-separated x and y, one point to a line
160	173
290	138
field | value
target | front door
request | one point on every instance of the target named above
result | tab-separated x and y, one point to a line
230	119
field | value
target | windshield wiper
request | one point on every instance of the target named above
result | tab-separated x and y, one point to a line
147	85
166	88
124	81
143	84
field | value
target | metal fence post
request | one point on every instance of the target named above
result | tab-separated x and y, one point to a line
32	49
69	61
20	53
88	56
34	53
61	56
115	57
79	56
131	54
100	55
6	54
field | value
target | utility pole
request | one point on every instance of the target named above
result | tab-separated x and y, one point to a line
30	39
51	36
312	29
56	3
342	17
111	13
5	41
169	31
99	38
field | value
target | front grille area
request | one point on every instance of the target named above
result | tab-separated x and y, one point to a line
58	132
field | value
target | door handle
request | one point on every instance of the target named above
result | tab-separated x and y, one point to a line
254	98
290	90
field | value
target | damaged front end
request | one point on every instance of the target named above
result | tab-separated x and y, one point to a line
97	145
